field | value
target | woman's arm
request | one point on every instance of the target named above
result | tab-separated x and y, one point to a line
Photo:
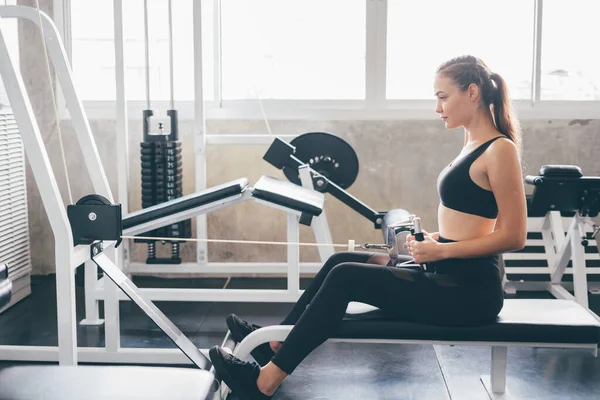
504	173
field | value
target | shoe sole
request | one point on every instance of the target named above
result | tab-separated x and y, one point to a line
221	371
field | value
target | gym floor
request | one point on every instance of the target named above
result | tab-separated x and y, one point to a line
335	370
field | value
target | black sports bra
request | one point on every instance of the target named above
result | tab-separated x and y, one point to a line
458	191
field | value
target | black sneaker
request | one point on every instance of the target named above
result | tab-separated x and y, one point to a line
240	376
240	329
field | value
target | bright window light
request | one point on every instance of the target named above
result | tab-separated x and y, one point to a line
570	61
289	49
93	49
423	34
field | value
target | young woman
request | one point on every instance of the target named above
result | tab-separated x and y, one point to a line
482	213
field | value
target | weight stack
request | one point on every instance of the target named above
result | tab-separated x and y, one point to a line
162	181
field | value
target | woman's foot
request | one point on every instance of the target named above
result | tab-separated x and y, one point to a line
240	329
240	376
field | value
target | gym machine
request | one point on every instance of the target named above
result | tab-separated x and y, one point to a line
161	162
328	164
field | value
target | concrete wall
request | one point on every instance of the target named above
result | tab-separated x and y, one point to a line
399	164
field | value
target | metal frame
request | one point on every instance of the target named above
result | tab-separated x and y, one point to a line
560	248
68	257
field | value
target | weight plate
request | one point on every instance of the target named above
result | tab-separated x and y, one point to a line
327	154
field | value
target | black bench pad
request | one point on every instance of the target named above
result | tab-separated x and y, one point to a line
521	320
290	195
185	203
104	382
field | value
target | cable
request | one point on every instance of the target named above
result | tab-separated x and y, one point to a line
169	239
53	95
171	72
147	54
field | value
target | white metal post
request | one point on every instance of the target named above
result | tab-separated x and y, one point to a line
375	59
498	372
319	224
200	130
578	262
92	309
122	130
58	56
293	254
51	198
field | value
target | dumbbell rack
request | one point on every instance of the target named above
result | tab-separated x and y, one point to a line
162	178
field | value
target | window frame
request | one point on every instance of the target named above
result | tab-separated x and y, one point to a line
375	106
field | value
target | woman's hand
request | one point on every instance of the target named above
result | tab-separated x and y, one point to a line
426	251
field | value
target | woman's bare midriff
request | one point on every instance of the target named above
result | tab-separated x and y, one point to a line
456	225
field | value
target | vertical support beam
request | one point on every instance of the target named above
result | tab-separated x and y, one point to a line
112	331
293	254
92	312
376	50
200	130
498	372
578	262
51	198
538	18
319	224
121	127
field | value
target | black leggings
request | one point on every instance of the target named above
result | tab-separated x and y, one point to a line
468	292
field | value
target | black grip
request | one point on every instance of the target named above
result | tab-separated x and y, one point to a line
419	237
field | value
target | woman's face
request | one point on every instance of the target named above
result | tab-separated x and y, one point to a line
454	105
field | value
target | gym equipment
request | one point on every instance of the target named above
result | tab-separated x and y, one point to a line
104	382
561	207
162	176
14	218
330	156
532	323
330	165
93	223
5	286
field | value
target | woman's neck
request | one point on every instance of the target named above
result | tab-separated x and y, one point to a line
480	128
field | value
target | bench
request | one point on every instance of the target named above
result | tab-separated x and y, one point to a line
102	382
559	215
522	322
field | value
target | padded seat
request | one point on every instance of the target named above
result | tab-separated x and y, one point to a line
289	195
521	320
185	203
103	382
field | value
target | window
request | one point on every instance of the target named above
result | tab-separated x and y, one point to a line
284	49
93	57
570	61
11	36
423	34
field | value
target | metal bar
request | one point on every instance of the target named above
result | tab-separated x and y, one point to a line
58	56
147	54
578	262
171	72
223	268
51	197
161	320
199	129
498	372
293	254
538	16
